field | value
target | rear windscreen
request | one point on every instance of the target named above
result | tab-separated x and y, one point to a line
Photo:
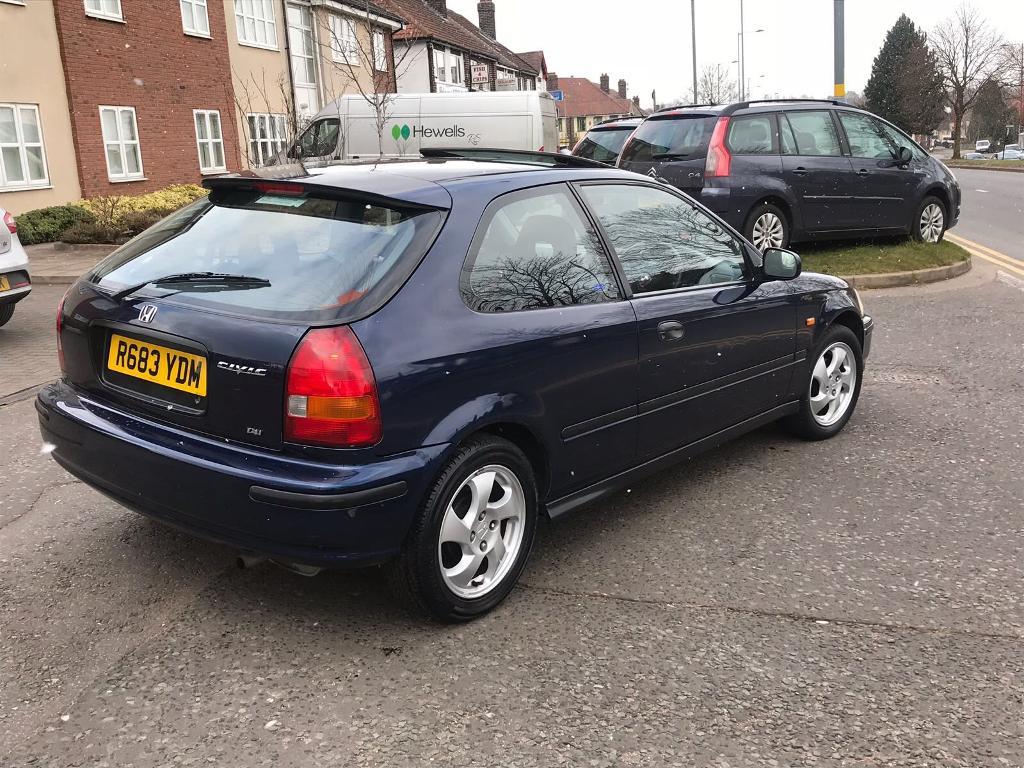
317	258
603	146
680	137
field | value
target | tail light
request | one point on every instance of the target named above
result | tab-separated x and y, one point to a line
331	395
12	226
60	328
719	160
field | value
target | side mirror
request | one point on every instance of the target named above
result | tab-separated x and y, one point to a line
780	264
904	156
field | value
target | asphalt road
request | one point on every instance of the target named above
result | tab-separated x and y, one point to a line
858	602
993	205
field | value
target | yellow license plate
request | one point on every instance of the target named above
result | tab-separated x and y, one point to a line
5	284
160	365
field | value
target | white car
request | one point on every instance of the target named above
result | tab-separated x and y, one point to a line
982	145
15	284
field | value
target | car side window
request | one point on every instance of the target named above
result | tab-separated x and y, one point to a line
662	241
815	133
867	140
536	250
786	141
900	140
751	135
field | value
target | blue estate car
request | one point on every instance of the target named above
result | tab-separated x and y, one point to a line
409	362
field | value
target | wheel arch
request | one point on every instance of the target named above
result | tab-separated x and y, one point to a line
851	320
938	191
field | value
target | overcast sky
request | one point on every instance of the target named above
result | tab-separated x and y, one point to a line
647	42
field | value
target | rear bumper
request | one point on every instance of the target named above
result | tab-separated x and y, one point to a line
280	506
21	284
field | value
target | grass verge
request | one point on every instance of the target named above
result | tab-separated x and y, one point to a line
1003	165
878	256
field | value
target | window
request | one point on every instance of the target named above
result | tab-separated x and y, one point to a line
455	67
663	242
900	139
121	143
440	70
815	134
536	251
105	9
194	17
751	135
581	124
254	20
603	146
447	65
344	46
22	159
380	53
866	137
684	137
209	139
268	135
319	140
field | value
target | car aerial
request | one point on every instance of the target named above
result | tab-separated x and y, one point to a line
410	362
982	145
604	141
15	283
787	171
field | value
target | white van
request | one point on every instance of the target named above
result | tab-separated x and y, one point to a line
346	129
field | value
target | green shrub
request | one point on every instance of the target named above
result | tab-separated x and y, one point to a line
45	225
167	199
134	222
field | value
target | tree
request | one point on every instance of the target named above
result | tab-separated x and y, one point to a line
1013	68
715	85
255	97
969	52
991	113
906	86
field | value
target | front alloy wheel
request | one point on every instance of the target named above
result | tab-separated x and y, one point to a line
932	223
833	381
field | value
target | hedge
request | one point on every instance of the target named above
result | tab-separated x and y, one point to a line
103	219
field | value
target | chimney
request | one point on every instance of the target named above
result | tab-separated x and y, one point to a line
485	10
441	6
622	89
552	81
636	102
605	83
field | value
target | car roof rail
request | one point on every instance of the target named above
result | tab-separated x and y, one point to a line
523	156
616	120
684	106
749	102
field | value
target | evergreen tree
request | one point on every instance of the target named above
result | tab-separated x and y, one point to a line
992	113
905	86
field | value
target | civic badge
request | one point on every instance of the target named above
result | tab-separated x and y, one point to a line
146	313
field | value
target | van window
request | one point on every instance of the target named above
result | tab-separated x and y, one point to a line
322	258
319	139
751	135
536	251
815	133
670	138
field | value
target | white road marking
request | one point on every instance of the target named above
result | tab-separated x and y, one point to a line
981	190
1010	280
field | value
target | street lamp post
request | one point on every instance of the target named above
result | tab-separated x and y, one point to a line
741	48
693	34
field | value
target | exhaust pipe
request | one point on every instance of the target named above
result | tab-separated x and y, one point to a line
299	568
247	560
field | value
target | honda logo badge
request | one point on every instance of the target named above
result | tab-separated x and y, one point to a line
146	313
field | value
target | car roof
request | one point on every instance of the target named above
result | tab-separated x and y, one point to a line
618	123
750	107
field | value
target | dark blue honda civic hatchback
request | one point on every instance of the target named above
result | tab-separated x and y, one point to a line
407	363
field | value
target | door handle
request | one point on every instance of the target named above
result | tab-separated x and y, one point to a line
670	331
800	171
863	172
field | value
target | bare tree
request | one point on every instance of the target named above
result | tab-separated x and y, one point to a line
253	96
1013	76
715	85
969	52
355	59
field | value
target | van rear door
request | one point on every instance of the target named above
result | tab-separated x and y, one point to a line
549	123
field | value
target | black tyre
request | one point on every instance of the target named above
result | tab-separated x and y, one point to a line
473	535
832	386
767	227
6	313
929	222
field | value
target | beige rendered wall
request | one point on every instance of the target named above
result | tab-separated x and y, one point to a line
31	72
339	79
259	75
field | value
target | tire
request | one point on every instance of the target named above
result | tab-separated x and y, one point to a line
769	225
929	222
427	573
814	421
6	313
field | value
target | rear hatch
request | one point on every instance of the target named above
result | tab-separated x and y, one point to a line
194	322
603	144
673	146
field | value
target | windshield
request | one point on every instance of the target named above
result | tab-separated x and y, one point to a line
686	136
603	146
321	258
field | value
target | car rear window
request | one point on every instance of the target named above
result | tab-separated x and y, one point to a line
683	136
603	145
322	257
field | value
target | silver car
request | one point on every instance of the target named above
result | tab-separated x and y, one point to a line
15	283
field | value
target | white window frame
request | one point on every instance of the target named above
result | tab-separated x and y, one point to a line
196	5
380	51
259	13
344	43
95	9
209	140
121	142
440	69
22	145
275	135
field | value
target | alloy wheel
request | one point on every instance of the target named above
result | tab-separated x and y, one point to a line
769	231
932	221
482	531
833	381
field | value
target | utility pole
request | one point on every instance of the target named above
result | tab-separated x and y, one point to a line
840	52
743	54
693	34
